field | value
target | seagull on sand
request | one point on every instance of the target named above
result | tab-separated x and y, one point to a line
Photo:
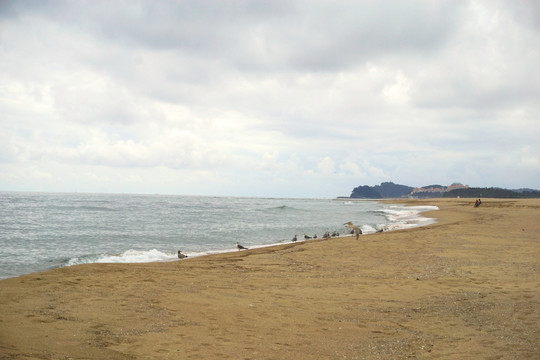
356	229
180	255
240	247
294	238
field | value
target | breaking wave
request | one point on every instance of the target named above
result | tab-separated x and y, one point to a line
129	256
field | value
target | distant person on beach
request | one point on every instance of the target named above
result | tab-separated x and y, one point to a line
477	203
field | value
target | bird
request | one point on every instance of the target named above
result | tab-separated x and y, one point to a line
307	237
180	255
294	238
240	247
315	236
356	229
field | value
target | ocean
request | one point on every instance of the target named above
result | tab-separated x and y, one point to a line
42	231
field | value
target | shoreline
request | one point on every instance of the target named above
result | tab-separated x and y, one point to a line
463	287
396	219
420	218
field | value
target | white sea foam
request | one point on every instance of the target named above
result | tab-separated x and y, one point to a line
404	217
368	229
129	256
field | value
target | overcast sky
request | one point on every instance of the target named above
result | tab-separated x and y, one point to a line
268	98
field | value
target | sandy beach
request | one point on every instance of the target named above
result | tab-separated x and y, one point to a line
467	287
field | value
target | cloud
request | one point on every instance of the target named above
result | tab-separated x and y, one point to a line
486	65
326	165
267	98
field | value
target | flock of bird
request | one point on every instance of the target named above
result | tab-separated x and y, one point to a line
326	235
354	230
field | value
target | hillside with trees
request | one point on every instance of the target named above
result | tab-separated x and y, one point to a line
491	193
388	190
385	190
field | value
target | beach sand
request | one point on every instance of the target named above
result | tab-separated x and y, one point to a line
467	287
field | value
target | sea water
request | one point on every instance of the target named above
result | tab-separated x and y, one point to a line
41	231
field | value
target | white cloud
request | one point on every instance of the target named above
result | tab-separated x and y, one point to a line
281	98
326	166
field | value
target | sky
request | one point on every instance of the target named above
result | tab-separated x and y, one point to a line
268	98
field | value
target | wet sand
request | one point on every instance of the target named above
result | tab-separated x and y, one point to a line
467	287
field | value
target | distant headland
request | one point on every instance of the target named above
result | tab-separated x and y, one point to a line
390	190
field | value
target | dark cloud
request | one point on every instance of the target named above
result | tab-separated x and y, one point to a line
350	34
261	35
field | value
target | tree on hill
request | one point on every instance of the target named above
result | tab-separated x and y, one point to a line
385	190
365	192
531	194
427	195
490	193
391	190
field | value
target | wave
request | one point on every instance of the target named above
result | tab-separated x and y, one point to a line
70	229
129	256
407	217
96	208
83	208
400	217
282	208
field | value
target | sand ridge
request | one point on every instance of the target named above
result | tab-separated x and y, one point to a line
466	287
